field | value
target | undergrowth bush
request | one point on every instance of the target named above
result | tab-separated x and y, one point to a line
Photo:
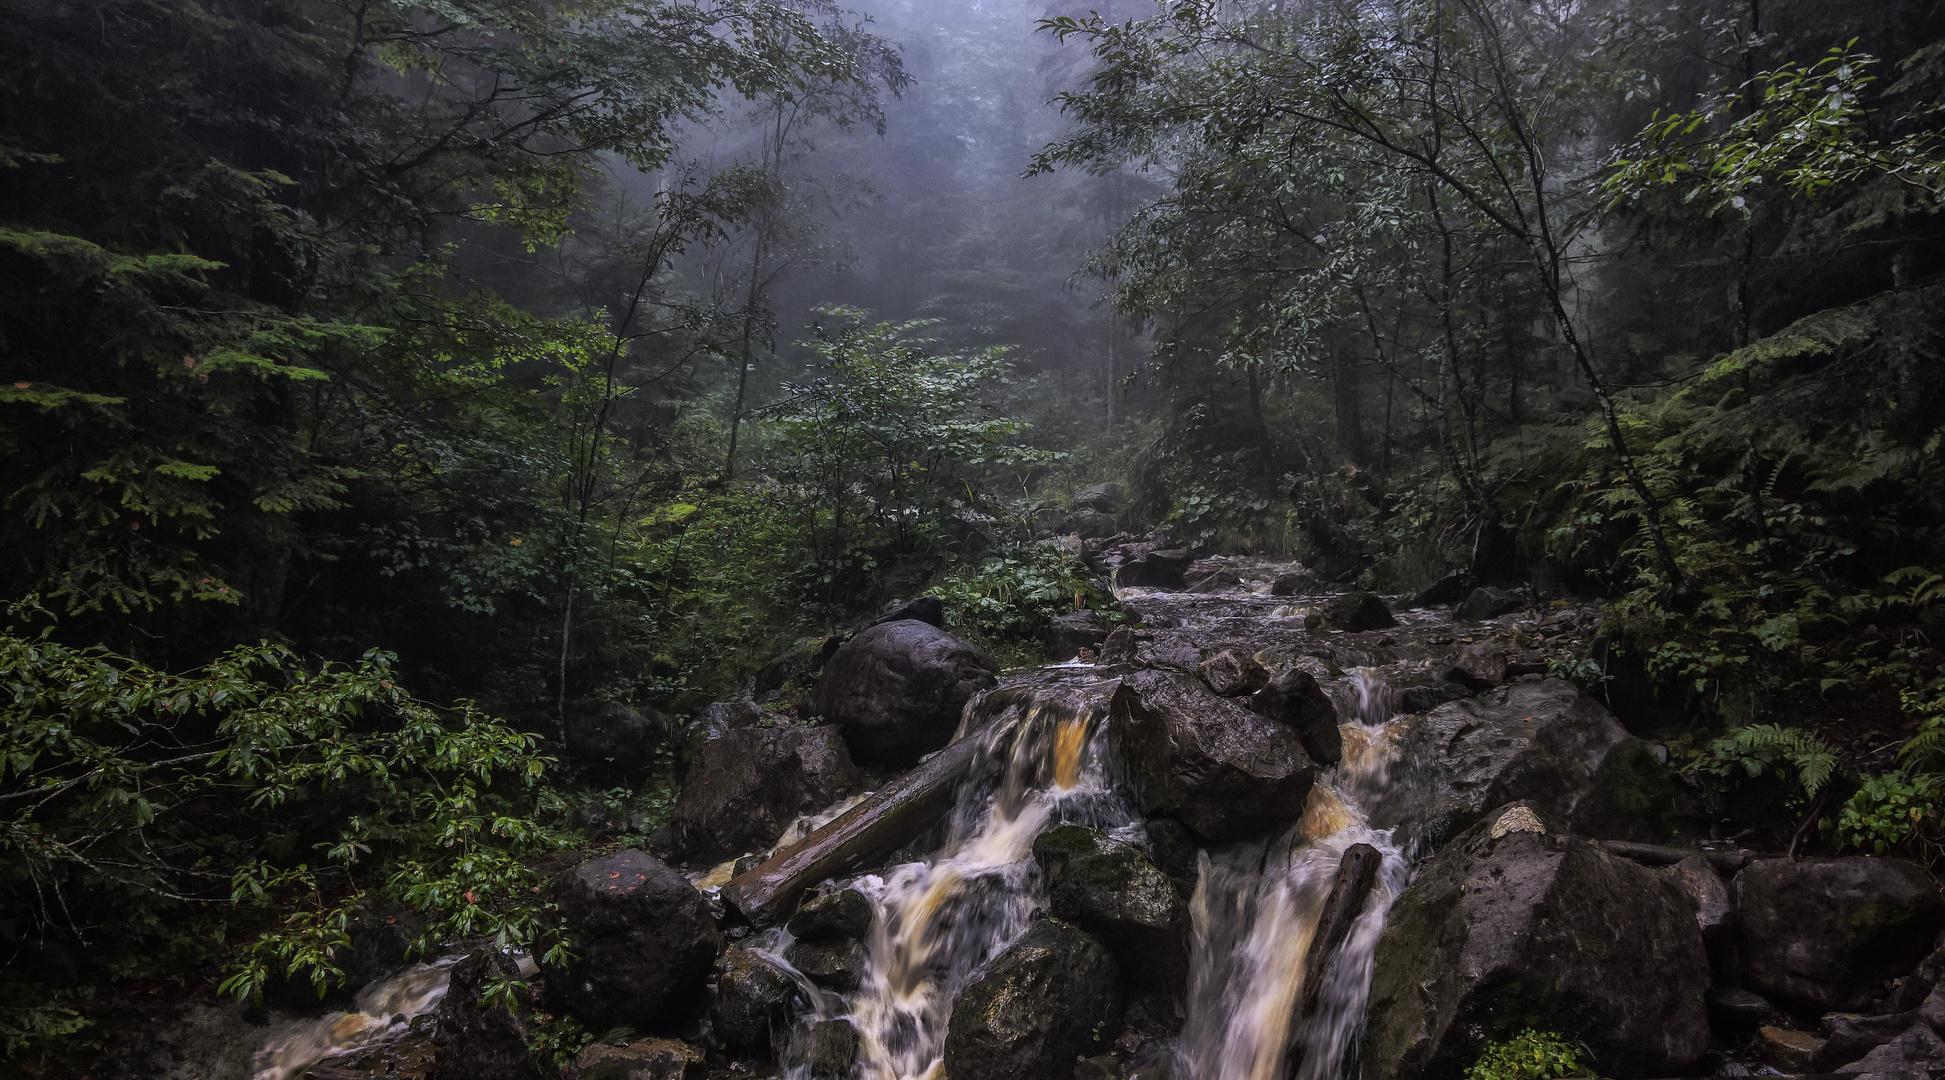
1530	1055
1004	603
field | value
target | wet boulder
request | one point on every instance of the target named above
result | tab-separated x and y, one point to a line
639	1059
1231	675
836	913
1825	934
1296	582
473	1040
1485	603
645	942
1092	525
1352	612
1479	666
719	718
1515	925
897	689
1110	889
751	1007
1048	998
1294	700
828	1049
1068	634
834	964
1153	568
1449	589
744	789
1105	498
929	610
1918	1051
1542	742
1222	770
612	737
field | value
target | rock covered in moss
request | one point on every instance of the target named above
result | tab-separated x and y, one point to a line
751	1007
1037	1006
1532	928
1110	889
1220	769
1826	933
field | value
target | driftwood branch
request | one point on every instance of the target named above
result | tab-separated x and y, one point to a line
881	824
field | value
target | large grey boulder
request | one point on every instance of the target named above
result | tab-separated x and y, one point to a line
743	789
1153	568
1543	742
1036	1007
1918	1051
1110	889
644	939
1826	933
613	738
1092	525
1352	611
1513	925
1485	603
473	1040
1206	761
1294	700
897	689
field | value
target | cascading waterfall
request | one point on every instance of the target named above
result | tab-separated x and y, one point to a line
1256	910
383	1013
937	920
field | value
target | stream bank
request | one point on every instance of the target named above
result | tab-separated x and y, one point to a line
1279	830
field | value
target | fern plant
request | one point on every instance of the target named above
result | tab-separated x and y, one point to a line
1759	749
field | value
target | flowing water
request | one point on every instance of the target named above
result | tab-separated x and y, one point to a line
1253	915
383	1014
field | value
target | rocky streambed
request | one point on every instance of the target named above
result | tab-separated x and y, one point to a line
1280	829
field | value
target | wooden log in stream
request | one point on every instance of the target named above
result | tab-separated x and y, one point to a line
892	817
1355	874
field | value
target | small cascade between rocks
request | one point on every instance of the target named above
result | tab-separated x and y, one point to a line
938	919
383	1013
1267	1000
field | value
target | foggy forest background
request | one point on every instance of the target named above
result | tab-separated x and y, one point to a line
384	382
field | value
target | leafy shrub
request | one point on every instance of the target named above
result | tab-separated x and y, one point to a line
1530	1055
1888	809
275	796
1004	604
1772	749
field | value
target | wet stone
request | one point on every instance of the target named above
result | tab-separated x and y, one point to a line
751	1010
1788	1051
1231	675
834	965
1035	1007
639	1059
1919	1049
1734	1009
827	1049
1110	889
1352	612
838	913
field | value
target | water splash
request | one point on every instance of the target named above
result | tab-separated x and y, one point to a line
1256	911
383	1013
937	920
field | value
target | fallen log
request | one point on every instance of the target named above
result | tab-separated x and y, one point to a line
899	812
1725	862
1355	874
